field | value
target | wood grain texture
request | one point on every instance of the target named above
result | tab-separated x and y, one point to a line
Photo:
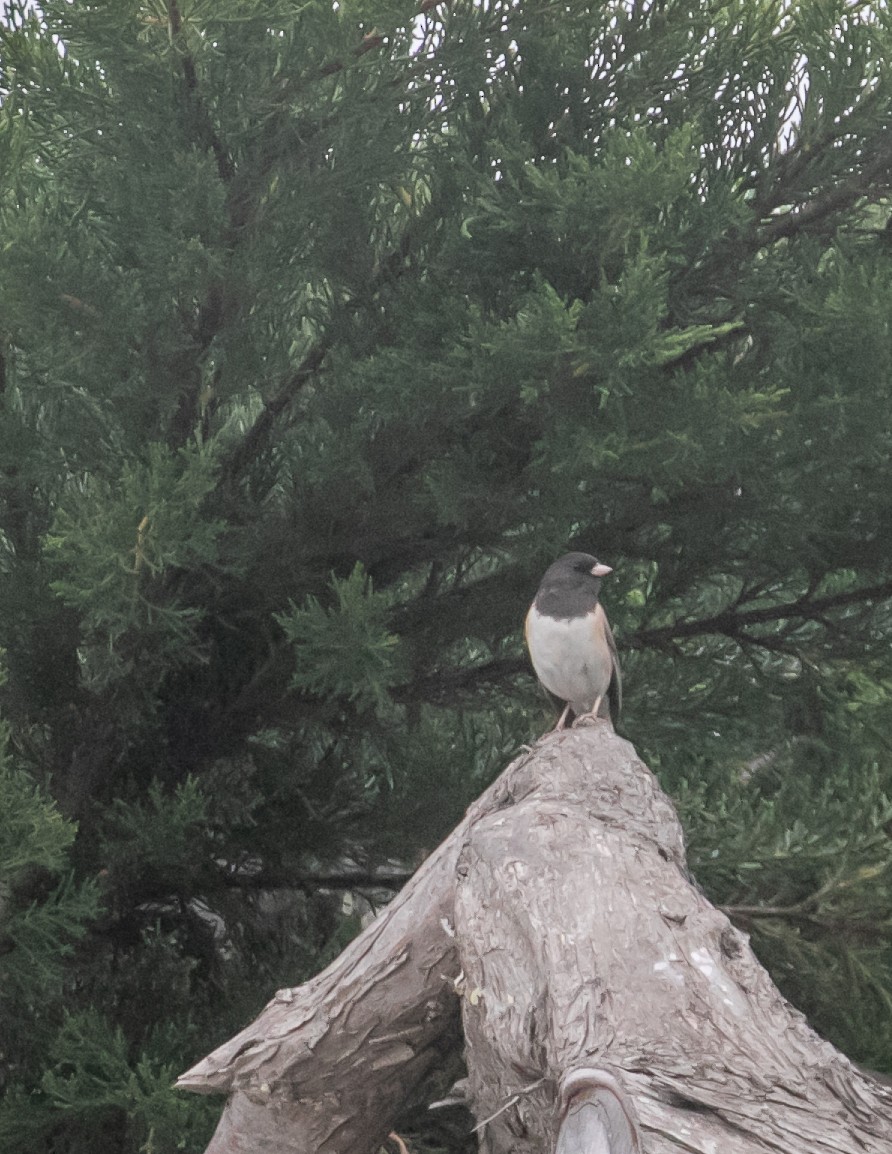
559	921
586	945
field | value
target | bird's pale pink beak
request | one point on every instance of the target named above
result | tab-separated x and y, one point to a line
600	570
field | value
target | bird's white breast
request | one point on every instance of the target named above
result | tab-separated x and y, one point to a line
571	657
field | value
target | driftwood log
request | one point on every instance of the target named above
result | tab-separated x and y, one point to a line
607	1007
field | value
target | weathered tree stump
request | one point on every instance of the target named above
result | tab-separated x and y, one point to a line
607	1007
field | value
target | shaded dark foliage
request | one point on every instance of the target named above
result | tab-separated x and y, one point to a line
323	330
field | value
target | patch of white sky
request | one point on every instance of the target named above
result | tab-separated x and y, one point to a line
15	12
741	100
738	100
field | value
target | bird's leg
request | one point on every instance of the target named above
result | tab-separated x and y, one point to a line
562	720
593	712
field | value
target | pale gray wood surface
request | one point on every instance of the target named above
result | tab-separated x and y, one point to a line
559	919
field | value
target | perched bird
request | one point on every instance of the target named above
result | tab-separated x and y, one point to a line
570	642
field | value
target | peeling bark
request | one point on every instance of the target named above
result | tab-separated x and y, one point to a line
606	1005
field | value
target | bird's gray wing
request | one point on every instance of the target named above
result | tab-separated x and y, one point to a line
615	689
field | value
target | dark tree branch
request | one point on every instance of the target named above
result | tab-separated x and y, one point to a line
225	166
805	914
341	880
447	687
370	41
248	448
801	910
450	686
872	178
215	311
375	39
836	199
787	167
733	623
387	269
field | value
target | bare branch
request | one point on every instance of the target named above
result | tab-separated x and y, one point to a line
734	623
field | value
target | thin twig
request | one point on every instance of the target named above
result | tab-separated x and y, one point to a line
796	912
512	1101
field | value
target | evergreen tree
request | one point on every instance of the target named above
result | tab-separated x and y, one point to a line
324	328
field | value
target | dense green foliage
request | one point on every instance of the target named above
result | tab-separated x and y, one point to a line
324	328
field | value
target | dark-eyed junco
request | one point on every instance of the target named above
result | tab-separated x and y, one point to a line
569	639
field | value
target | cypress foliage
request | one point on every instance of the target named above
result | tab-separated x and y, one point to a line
324	328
